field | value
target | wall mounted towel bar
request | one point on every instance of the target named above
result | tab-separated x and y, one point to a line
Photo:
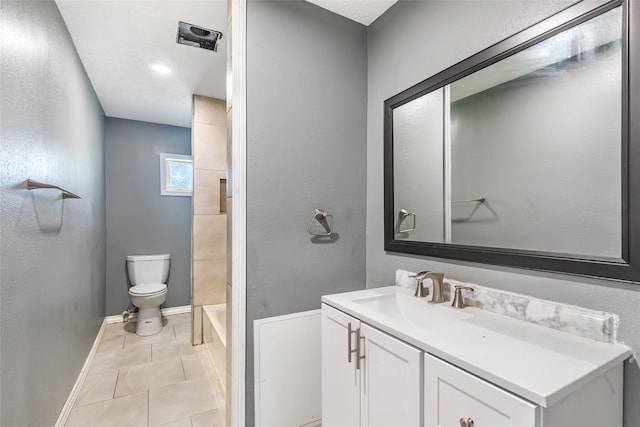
34	185
479	199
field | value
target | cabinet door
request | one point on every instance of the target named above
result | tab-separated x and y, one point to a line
340	379
391	382
452	394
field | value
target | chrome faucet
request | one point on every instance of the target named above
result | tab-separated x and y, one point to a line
436	278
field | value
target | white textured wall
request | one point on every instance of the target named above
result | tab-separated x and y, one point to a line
52	252
413	41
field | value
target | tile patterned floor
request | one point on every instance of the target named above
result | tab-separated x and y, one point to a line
161	380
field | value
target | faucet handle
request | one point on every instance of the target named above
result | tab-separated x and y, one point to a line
420	275
420	290
458	299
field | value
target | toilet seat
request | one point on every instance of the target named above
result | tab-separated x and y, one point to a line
148	289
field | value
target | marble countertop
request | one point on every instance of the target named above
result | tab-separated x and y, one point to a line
538	363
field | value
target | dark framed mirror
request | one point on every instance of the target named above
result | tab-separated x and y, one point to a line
522	154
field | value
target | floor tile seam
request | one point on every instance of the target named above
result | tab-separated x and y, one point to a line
153	388
102	402
113	335
216	384
156	387
140	344
98	401
184	371
181	419
202	413
99	351
118	366
115	387
221	402
188	382
103	340
133	345
116	350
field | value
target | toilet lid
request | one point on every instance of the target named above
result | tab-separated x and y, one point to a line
147	289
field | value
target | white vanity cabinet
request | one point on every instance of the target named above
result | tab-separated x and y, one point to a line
433	365
379	385
456	398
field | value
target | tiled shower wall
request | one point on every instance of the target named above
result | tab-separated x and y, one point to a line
209	226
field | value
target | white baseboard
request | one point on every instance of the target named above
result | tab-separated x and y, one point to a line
176	310
73	394
165	311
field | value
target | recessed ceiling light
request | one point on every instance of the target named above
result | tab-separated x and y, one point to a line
159	68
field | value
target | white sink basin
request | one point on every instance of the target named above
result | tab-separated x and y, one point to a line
418	312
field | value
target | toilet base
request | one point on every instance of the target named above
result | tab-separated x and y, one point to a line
149	321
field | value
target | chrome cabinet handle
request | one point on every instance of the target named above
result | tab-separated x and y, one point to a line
357	350
467	422
359	339
349	349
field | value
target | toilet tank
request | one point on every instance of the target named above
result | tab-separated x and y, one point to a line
148	268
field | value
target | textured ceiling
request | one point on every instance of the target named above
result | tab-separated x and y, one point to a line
118	41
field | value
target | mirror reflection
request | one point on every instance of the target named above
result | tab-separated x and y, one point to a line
523	154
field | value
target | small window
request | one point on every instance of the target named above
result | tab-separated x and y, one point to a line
176	175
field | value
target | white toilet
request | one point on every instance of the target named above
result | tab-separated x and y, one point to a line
148	276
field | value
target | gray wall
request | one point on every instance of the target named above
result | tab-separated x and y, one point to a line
51	251
563	192
139	220
306	149
425	38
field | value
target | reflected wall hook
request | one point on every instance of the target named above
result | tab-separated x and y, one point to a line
322	218
402	215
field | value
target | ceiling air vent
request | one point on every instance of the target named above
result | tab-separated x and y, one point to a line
192	35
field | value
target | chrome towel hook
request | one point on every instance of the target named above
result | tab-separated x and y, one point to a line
322	219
